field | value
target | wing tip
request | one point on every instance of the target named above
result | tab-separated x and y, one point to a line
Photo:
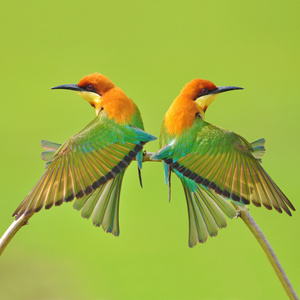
59	202
70	198
48	206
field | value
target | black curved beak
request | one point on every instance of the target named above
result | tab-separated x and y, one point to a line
73	87
222	89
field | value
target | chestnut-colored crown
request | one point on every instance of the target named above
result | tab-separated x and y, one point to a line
193	88
100	83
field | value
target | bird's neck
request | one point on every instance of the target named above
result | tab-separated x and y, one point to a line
180	116
204	102
118	106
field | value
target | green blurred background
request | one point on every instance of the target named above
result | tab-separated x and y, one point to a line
150	49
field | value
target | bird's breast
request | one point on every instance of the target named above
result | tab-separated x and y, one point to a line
180	116
118	107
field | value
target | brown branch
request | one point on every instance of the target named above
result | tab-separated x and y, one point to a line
147	155
23	220
244	214
12	230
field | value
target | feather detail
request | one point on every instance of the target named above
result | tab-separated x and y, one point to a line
103	204
226	163
206	213
50	146
258	148
84	163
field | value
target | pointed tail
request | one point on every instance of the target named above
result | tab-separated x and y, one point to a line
103	204
206	212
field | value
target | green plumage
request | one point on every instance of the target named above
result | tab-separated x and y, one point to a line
206	210
89	166
209	158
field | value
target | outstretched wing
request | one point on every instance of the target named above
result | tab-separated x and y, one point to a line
207	209
103	203
225	162
85	162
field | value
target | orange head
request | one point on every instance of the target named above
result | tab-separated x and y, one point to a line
194	99
91	88
101	93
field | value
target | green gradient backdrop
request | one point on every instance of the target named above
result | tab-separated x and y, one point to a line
150	49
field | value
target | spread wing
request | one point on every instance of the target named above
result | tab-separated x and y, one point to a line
85	162
103	203
225	162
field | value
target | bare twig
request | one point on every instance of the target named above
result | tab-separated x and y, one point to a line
12	230
147	155
260	237
23	220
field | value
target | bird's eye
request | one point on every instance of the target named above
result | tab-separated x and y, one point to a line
90	87
204	91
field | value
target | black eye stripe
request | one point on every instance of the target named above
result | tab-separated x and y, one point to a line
203	92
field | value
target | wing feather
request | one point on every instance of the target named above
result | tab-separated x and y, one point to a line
103	205
206	212
55	166
197	228
84	163
226	163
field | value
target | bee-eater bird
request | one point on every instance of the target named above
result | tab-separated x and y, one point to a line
90	166
214	164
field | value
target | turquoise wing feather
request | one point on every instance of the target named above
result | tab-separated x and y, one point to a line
88	160
138	123
103	203
206	209
226	163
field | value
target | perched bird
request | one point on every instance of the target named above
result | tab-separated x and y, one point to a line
214	164
90	166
